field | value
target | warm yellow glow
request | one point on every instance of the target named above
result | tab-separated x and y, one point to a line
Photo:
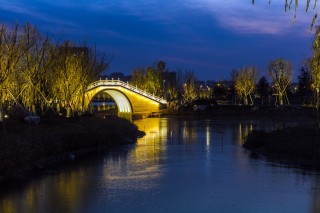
128	101
121	101
208	135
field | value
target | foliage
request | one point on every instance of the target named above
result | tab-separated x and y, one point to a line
189	87
150	79
139	78
245	81
37	73
315	60
315	70
281	73
263	88
305	81
289	5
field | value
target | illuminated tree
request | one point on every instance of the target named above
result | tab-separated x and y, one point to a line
75	68
12	48
189	87
139	78
150	79
315	69
92	65
245	81
281	73
32	70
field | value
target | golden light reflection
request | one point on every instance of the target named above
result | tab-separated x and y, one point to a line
8	206
244	130
208	135
67	188
140	168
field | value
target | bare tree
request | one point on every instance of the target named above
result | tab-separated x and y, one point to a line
139	78
245	81
92	65
32	69
12	48
189	87
315	70
281	73
75	68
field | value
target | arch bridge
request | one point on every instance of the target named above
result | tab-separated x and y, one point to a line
129	99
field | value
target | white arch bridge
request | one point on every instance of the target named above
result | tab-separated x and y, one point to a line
129	99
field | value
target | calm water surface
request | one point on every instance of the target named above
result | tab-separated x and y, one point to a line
179	166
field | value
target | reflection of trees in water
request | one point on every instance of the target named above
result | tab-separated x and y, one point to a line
315	208
66	191
244	127
241	130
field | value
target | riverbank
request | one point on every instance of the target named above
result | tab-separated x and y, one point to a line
299	146
236	111
25	148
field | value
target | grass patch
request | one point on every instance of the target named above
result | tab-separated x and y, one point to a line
298	145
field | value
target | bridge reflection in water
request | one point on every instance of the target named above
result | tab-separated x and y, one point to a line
131	177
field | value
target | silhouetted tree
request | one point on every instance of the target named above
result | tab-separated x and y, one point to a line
263	88
305	83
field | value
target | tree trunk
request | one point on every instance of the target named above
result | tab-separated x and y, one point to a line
246	100
1	112
280	99
68	111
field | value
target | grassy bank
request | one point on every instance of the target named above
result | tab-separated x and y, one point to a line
25	147
295	145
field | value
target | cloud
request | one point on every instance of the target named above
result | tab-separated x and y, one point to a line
261	18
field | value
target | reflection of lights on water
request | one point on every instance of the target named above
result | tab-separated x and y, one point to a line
208	135
244	132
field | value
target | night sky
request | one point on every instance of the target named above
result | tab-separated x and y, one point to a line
212	37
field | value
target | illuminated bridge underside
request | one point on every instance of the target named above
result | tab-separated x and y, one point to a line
128	99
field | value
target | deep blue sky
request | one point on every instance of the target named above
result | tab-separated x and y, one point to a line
209	36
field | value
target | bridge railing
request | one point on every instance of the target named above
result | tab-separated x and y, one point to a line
126	85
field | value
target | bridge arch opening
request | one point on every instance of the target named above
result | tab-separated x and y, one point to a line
122	102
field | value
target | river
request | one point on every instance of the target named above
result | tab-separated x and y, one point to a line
180	166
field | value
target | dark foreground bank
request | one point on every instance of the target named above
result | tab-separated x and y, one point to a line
295	145
25	148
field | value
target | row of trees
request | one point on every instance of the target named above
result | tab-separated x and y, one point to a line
245	81
37	73
158	80
184	85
